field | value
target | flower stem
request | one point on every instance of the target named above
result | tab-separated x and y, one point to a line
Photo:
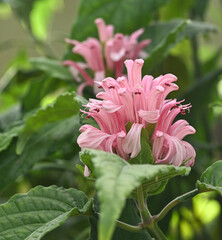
174	202
147	218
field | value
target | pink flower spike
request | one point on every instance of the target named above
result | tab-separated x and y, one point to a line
130	100
131	144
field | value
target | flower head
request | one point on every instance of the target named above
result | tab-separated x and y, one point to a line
141	102
105	55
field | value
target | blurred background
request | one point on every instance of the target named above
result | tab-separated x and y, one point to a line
36	29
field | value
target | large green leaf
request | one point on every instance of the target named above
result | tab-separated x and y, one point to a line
52	67
64	107
30	216
126	15
116	179
48	140
211	179
165	35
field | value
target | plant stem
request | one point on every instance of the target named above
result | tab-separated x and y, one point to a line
147	218
128	227
144	212
174	202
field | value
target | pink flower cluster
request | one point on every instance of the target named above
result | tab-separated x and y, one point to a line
106	55
140	101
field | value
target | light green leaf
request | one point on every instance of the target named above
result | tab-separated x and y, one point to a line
116	179
211	179
64	107
30	216
52	67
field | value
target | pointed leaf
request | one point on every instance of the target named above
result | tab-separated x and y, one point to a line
30	216
116	179
211	179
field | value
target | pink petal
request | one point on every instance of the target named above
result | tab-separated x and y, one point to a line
110	107
149	116
131	143
91	138
103	34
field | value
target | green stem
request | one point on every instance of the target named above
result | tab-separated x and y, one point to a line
174	202
147	218
144	212
128	227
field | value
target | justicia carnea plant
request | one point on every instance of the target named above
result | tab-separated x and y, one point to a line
132	105
106	56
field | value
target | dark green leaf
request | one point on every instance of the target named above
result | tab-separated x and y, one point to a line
166	35
30	216
6	137
64	107
126	15
46	141
211	179
116	179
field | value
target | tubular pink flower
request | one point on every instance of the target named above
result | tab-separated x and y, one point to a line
108	54
168	146
141	102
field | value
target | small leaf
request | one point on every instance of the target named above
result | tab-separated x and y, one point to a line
116	179
30	216
52	67
64	107
211	179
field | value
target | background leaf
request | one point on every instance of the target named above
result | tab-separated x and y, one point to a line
211	179
30	216
65	106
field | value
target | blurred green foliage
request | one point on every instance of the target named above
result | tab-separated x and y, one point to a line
39	112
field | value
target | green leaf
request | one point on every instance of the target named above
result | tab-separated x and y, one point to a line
211	179
6	137
135	15
165	35
64	107
48	140
30	216
163	46
116	179
52	67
